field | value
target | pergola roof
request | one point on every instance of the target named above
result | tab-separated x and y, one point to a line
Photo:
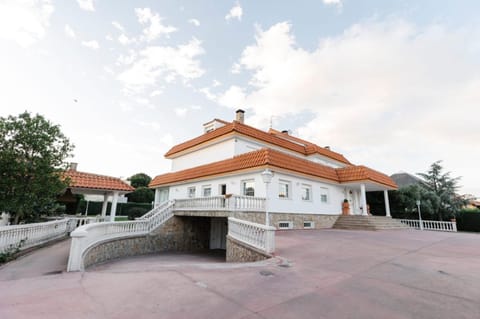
89	181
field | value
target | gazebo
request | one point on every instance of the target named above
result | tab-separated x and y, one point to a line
94	184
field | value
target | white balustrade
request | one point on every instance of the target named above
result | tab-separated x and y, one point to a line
431	225
222	203
257	235
30	235
89	235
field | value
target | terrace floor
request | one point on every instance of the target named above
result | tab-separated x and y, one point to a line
320	274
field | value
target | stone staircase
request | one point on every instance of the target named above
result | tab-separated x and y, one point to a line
367	223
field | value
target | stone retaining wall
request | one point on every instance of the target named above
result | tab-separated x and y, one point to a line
240	252
320	221
177	234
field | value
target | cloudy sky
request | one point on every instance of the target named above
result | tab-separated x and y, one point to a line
394	85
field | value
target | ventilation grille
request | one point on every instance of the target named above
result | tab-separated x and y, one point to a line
285	225
308	224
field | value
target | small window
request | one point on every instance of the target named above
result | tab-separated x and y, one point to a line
207	191
324	195
284	189
306	192
191	192
248	187
308	224
285	225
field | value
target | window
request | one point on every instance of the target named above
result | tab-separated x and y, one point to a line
324	195
191	192
248	187
284	189
285	225
308	224
306	192
207	191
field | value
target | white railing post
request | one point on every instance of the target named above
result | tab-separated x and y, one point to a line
75	262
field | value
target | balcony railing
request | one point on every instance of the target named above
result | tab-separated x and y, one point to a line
222	203
430	225
259	236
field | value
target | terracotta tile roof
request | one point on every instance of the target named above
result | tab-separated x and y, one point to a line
299	146
94	181
272	158
359	173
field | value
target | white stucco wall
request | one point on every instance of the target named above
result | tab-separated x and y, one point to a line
294	204
212	153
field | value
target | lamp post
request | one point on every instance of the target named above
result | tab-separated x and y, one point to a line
267	176
419	215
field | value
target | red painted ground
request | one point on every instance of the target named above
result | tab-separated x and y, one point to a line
330	274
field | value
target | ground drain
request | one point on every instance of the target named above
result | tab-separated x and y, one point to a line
55	272
266	273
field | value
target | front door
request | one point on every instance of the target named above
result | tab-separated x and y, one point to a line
222	189
163	195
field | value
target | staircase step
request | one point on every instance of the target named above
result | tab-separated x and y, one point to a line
368	223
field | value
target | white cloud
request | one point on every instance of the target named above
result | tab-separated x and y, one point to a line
118	26
25	22
124	40
236	68
333	2
209	95
69	32
157	63
180	111
216	83
195	22
154	28
109	37
167	139
86	5
387	87
156	93
91	44
235	12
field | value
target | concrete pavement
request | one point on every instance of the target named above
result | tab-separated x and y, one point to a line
322	274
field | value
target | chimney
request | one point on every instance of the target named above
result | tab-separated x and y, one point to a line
240	116
73	166
326	147
285	132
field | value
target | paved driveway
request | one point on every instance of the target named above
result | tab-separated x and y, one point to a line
322	274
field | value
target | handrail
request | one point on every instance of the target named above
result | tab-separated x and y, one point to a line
30	235
222	203
88	235
257	235
430	225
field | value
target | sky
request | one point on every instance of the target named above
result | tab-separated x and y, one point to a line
393	85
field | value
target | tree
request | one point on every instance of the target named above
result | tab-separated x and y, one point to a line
444	187
32	154
139	180
142	193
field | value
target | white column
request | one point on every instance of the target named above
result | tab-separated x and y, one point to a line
267	216
113	209
104	205
364	200
157	197
387	203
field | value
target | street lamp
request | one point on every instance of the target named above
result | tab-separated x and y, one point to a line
419	214
267	176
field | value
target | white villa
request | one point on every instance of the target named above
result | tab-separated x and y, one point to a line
304	185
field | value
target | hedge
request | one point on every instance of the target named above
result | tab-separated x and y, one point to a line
132	210
468	220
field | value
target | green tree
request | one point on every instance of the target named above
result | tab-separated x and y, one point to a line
32	154
139	180
444	187
141	195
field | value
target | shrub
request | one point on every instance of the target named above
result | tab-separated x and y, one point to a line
468	220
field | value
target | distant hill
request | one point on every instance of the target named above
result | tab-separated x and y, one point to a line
405	179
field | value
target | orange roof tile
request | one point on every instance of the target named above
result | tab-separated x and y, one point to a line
359	173
277	159
94	181
302	147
